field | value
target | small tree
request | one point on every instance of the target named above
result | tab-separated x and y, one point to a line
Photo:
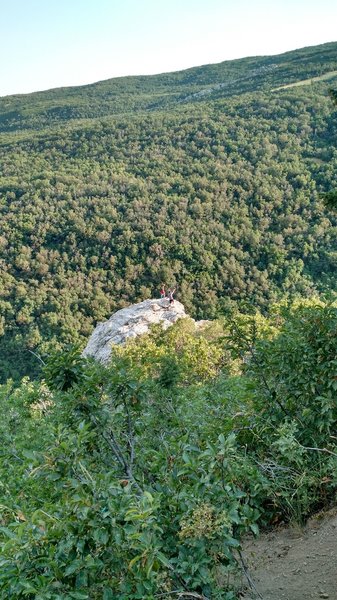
330	198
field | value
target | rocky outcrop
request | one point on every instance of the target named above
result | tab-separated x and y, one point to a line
131	322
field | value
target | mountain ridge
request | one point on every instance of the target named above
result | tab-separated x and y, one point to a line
149	93
295	51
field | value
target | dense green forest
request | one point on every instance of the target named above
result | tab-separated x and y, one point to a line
147	179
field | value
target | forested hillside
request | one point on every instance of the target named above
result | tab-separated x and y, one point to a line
207	179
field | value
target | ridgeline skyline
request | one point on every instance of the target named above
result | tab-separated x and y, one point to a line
85	42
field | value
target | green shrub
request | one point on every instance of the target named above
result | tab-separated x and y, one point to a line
140	479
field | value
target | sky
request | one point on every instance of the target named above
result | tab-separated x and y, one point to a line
56	43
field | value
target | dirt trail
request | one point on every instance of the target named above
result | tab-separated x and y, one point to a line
295	564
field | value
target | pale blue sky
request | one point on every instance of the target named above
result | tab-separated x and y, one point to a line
55	43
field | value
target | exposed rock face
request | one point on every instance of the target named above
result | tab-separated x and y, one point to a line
131	322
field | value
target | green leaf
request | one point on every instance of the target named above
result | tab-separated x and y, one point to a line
165	561
255	528
74	566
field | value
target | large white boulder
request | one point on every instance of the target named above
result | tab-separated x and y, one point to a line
131	322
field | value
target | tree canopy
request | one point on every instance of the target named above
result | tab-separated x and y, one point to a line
218	195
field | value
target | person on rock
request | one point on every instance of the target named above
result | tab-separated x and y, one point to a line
162	292
170	297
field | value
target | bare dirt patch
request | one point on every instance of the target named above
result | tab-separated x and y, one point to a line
293	563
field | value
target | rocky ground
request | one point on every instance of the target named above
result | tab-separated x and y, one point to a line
293	563
130	322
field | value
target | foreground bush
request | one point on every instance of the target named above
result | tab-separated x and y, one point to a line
138	481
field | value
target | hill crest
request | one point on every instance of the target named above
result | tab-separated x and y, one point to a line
167	91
